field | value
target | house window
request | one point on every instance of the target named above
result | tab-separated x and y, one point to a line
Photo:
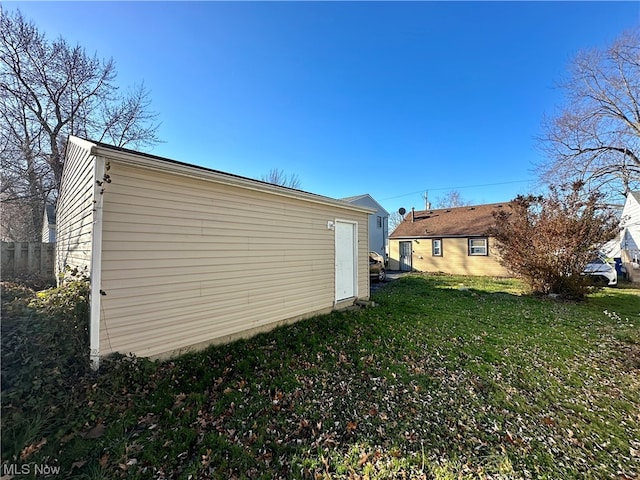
436	247
379	219
478	246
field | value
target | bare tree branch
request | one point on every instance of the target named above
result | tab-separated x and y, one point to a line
48	91
279	177
452	199
595	138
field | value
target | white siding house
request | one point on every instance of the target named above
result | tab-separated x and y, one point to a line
182	256
630	235
378	223
49	224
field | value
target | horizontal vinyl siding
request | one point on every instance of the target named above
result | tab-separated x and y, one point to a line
631	225
454	260
187	261
74	210
394	254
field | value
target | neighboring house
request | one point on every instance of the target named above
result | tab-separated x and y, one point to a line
378	223
449	240
630	236
182	256
49	224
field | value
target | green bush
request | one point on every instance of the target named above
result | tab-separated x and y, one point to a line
45	359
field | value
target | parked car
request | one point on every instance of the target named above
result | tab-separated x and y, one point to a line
602	271
376	267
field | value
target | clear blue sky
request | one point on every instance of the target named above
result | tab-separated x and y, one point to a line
389	99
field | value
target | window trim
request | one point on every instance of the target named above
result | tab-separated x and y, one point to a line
433	247
470	247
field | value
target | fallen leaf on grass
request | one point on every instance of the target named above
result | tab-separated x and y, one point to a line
66	438
130	462
31	449
78	464
95	432
179	400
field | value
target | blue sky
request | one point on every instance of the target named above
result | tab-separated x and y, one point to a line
386	98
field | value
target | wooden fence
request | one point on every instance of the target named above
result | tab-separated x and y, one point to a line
23	259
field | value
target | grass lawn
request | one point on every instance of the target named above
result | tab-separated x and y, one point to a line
447	378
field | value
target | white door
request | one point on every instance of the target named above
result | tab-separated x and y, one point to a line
346	260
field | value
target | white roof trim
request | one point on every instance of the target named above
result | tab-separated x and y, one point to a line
364	196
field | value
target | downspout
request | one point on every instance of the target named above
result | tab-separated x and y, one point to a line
96	263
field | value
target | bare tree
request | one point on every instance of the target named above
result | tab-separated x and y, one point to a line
279	177
48	91
395	219
595	137
452	199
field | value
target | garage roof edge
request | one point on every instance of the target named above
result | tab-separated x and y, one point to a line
146	160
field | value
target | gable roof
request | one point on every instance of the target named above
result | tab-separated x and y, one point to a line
448	222
366	200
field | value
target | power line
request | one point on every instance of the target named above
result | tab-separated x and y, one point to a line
456	188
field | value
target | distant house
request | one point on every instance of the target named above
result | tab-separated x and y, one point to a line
49	224
378	223
182	256
630	235
449	240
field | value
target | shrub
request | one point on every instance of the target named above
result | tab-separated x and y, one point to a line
45	359
33	281
548	241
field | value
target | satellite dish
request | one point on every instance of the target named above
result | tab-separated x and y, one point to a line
402	211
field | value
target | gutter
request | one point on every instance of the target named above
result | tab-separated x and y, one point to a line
426	237
96	263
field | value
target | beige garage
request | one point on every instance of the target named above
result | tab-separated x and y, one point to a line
182	256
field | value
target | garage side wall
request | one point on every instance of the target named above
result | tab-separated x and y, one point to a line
75	209
187	261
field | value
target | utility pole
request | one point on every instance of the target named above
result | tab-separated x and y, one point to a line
427	205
